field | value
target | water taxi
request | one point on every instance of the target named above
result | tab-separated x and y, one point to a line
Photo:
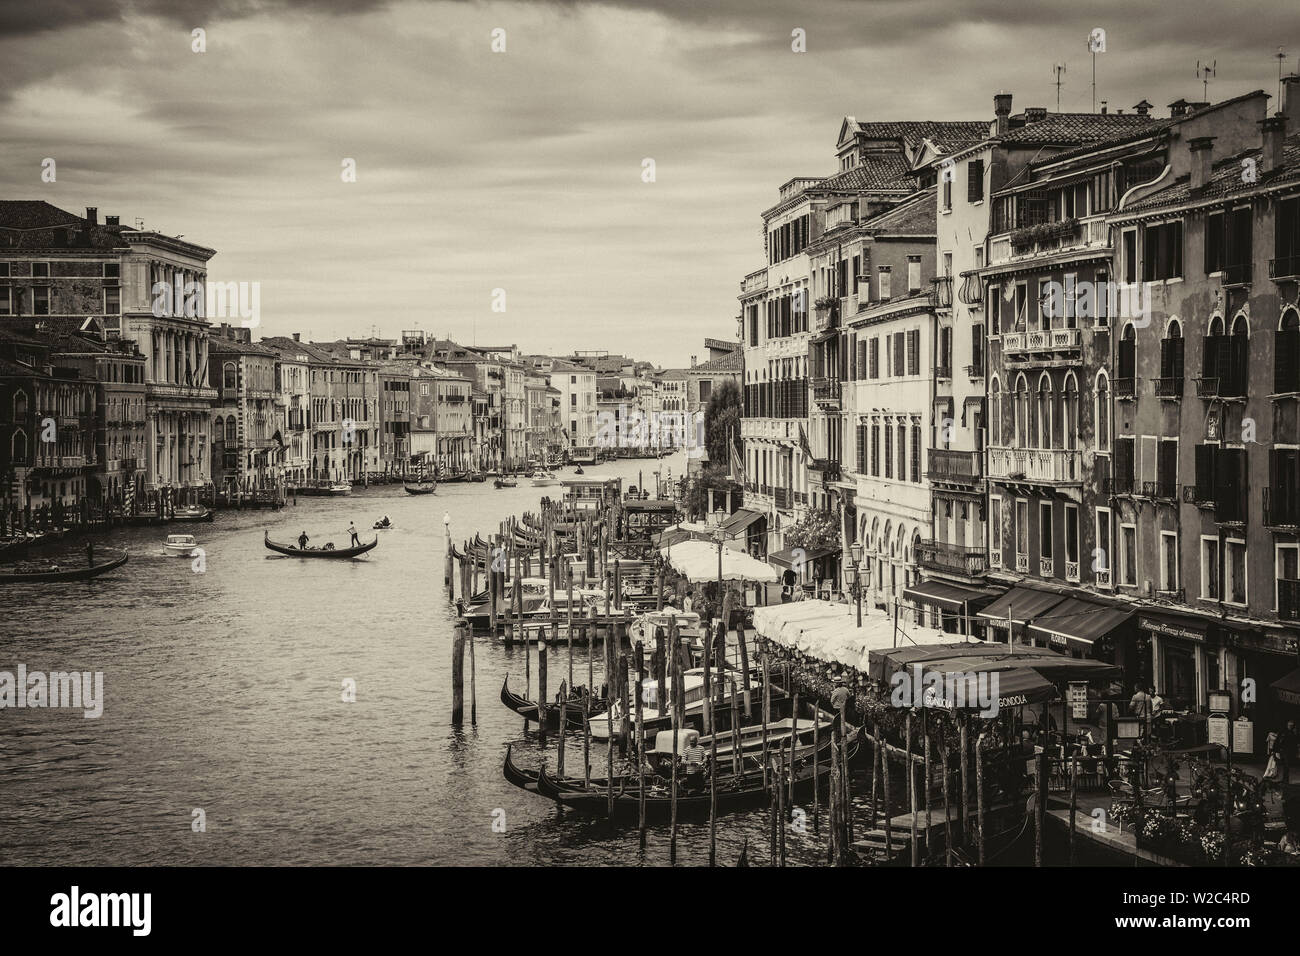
543	479
180	546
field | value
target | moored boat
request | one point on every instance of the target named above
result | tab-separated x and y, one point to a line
420	487
193	513
543	479
47	574
506	481
527	709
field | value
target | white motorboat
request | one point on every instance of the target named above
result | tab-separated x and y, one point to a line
543	479
180	546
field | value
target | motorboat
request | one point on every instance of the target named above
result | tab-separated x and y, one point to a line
506	481
543	479
180	546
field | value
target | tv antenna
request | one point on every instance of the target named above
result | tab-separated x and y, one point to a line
1203	72
1059	70
1280	56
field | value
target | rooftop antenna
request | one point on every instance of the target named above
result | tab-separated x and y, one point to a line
1280	56
1203	72
1059	70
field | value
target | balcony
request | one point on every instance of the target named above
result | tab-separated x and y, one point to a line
1169	387
1041	343
975	371
828	467
754	282
941	292
972	290
1050	237
951	466
1285	267
828	314
783	499
943	372
826	392
1288	599
1162	489
1118	485
1022	563
1281	509
1125	388
1238	274
1043	466
952	558
1072	571
1045	567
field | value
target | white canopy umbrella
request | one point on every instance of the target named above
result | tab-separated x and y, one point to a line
829	631
698	562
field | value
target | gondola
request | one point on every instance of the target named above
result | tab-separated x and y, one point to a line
420	487
506	481
527	709
732	790
319	552
526	779
72	574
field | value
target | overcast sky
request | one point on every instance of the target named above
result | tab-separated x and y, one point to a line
522	170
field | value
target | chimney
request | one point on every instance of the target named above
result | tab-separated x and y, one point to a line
1273	130
692	361
1035	113
1103	107
112	221
1002	110
1177	108
297	336
1142	109
1202	150
92	215
1290	105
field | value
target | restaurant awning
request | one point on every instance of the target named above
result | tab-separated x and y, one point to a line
786	558
950	597
1078	623
698	561
740	521
1288	687
1024	604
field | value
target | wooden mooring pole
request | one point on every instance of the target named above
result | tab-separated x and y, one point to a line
458	676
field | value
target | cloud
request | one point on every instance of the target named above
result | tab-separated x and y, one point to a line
522	170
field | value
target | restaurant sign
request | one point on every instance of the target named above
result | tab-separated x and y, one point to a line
1170	629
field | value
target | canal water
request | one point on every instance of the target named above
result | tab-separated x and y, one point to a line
224	694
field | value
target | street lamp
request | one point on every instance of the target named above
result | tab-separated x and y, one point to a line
855	550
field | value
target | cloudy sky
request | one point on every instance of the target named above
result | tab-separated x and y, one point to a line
522	170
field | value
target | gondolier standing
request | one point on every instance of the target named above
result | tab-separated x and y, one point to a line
302	541
352	530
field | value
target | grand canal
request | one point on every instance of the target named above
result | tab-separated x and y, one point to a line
224	693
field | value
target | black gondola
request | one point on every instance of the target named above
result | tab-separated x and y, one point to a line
319	552
527	709
420	487
732	790
73	574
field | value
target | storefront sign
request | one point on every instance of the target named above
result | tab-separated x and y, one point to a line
1218	730
1169	629
1078	697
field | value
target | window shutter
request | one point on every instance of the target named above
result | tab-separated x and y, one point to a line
975	180
913	351
875	357
862	358
853	356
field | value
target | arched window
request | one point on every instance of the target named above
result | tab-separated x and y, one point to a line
1022	412
1127	359
230	430
229	379
1170	382
18	447
218	428
1069	429
1286	352
1102	411
1043	436
995	412
20	405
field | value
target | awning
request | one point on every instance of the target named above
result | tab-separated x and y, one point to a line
1288	687
1078	623
786	558
740	521
950	597
698	562
1024	604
